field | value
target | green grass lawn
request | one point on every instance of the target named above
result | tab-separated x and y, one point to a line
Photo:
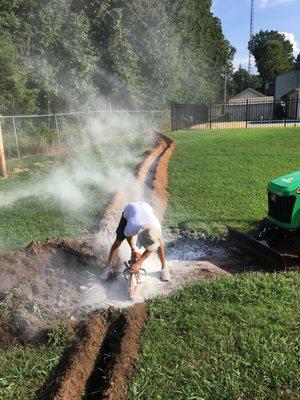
24	370
219	177
232	338
40	217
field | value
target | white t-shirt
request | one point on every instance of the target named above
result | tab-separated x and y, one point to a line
137	214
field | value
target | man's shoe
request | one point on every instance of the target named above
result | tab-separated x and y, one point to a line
165	274
106	274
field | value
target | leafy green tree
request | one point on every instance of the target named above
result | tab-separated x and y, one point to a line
135	53
204	49
242	80
273	54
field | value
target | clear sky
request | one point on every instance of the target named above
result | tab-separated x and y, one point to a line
280	15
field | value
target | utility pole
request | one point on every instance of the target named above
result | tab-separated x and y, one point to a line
251	37
225	84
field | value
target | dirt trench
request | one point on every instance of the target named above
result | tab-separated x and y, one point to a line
101	362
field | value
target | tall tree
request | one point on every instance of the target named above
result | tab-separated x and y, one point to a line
133	52
242	80
206	52
273	54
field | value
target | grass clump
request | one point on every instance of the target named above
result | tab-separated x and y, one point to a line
220	177
230	338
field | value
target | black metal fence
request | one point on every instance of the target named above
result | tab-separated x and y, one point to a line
250	113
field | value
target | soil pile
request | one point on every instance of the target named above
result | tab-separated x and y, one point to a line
43	284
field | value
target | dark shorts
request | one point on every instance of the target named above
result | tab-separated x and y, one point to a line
121	228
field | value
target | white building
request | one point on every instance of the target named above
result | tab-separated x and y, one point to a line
251	105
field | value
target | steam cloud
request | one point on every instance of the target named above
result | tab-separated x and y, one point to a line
103	164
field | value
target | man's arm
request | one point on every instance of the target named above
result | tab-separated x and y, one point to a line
134	250
137	265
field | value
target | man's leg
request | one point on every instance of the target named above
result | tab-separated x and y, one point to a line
107	272
165	274
162	255
114	252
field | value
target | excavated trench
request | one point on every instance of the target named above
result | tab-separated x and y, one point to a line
58	281
101	361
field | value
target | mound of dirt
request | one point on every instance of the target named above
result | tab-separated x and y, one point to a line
9	334
45	282
129	350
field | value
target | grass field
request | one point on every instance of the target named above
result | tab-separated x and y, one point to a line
233	338
220	177
37	218
23	370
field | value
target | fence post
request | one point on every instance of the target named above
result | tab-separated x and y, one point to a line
16	137
57	131
247	105
285	108
174	116
210	115
2	157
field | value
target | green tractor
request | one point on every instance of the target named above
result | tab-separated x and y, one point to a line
283	220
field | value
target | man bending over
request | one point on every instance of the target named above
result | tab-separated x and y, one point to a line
138	219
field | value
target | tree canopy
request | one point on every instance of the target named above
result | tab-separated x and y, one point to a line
243	80
62	54
273	54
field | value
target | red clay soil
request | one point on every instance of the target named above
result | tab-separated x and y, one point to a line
106	220
129	350
115	362
46	281
160	194
101	361
77	363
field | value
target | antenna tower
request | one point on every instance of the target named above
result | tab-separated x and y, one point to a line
251	37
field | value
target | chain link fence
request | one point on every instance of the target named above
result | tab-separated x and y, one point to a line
26	135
